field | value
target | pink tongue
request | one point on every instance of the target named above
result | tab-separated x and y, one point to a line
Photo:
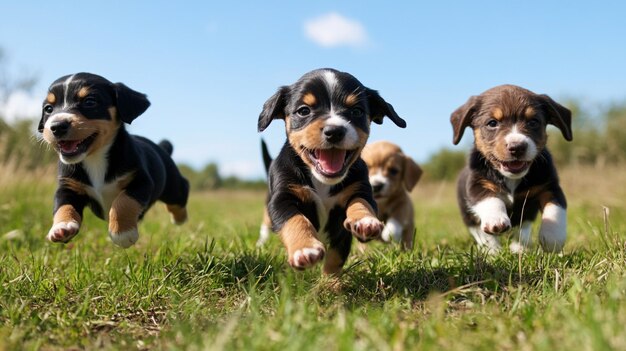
331	160
515	165
68	146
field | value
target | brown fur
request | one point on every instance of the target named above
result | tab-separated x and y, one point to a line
124	214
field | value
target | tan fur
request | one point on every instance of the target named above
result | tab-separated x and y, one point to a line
298	233
67	213
124	213
84	91
333	262
382	157
74	185
497	113
51	98
301	193
309	99
529	112
351	100
359	209
178	213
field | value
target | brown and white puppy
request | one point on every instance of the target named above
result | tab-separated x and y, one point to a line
393	175
510	176
118	175
319	191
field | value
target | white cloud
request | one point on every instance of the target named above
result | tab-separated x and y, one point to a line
332	30
20	105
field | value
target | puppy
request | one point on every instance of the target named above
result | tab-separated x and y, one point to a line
318	184
118	175
393	175
510	175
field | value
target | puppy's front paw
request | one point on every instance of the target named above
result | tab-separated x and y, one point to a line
63	231
126	238
365	229
496	223
307	256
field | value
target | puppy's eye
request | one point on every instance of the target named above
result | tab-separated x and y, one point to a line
492	123
356	112
303	111
48	109
533	123
393	171
89	102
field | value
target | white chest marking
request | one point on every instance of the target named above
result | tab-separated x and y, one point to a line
324	203
96	166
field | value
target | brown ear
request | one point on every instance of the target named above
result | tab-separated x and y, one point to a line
412	173
558	116
462	117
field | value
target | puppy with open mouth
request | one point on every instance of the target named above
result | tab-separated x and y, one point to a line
118	175
510	176
319	191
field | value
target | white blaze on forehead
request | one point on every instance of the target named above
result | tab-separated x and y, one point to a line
331	81
66	89
378	178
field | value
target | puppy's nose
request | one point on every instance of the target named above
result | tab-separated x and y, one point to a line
334	134
60	128
377	187
517	148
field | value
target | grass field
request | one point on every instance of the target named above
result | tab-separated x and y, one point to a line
205	286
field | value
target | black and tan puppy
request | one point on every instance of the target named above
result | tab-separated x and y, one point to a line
393	175
510	176
118	175
318	185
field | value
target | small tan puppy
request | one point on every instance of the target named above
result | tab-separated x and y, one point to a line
393	175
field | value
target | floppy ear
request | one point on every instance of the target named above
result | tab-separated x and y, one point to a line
273	108
462	117
130	104
379	108
558	116
412	173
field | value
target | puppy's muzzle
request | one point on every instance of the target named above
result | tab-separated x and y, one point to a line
60	128
377	187
517	149
334	134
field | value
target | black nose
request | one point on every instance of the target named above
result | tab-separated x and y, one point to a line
377	187
334	134
517	149
60	128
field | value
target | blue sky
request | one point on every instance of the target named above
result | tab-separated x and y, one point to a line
209	66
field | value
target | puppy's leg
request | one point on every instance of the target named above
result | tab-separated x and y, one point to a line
178	214
337	253
522	240
488	242
493	216
408	236
553	230
361	220
264	231
392	231
123	218
300	238
67	222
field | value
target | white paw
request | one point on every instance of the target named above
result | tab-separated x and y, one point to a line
63	231
366	228
264	235
125	239
495	223
392	231
553	231
307	257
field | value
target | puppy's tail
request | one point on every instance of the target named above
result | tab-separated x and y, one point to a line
267	159
167	146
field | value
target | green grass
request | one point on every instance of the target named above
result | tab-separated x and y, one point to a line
204	285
